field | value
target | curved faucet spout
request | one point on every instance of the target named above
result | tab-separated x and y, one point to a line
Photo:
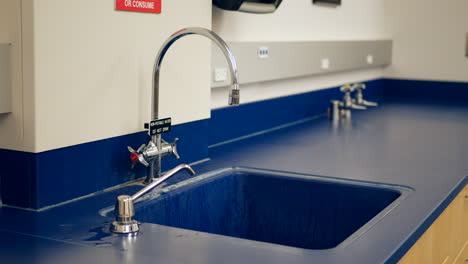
155	184
155	164
234	93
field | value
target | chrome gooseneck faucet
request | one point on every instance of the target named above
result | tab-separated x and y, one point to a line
150	155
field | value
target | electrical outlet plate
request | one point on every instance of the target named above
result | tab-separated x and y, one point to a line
263	52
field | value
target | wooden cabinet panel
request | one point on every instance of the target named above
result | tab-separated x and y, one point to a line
441	239
465	213
462	257
421	252
446	241
458	223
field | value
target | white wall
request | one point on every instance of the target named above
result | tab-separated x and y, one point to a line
82	71
93	69
428	38
301	20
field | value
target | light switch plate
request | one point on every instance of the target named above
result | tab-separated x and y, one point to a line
370	59
325	63
220	74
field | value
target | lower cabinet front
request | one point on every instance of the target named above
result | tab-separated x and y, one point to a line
446	241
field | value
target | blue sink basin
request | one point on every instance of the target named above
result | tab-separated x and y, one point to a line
304	211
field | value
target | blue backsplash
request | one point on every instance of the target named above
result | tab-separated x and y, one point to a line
233	122
426	90
37	180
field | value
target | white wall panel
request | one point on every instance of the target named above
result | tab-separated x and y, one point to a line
81	71
93	68
302	21
428	38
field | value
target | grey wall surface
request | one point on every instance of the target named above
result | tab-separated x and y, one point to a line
294	59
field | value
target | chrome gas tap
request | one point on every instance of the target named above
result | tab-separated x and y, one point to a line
348	102
342	109
150	155
359	87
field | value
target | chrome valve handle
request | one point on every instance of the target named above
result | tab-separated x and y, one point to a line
348	100
146	154
137	156
347	88
174	148
359	86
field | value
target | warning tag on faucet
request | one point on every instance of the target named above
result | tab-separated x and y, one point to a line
159	126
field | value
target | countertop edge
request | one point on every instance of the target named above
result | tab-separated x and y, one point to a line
413	237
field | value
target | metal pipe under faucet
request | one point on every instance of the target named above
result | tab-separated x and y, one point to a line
233	94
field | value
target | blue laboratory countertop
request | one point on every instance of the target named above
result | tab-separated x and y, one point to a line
419	145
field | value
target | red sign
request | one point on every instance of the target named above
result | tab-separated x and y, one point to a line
147	6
